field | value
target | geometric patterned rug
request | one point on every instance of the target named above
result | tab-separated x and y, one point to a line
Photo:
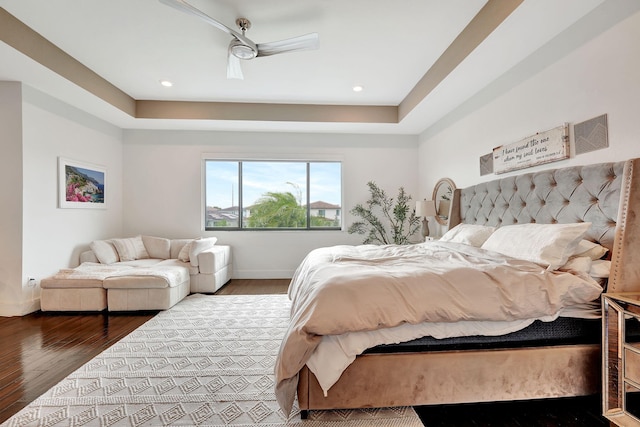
207	361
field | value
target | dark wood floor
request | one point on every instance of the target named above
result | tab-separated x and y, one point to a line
40	349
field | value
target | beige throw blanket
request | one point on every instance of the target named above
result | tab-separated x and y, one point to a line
90	270
96	271
361	288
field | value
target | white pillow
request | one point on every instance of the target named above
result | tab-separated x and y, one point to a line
130	249
590	249
469	234
183	255
600	269
579	264
199	245
549	245
104	251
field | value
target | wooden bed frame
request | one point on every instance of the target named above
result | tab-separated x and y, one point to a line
409	379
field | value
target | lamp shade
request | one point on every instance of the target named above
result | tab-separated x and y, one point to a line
425	208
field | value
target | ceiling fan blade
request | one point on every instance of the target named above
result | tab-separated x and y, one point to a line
305	42
183	6
234	71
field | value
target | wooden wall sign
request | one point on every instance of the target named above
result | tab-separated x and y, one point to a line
543	147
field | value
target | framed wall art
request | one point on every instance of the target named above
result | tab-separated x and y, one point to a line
81	185
538	149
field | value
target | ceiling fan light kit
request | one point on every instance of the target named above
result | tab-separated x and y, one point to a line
241	51
242	47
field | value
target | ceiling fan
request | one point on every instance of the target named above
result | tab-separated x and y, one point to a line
242	47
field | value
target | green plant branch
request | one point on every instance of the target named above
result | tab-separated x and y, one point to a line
399	215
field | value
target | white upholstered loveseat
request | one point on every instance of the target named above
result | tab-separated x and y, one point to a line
138	273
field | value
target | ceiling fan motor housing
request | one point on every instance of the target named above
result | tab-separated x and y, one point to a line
241	50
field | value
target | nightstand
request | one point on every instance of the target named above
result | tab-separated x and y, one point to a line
621	358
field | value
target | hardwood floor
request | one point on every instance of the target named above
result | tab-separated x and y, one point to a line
252	287
40	349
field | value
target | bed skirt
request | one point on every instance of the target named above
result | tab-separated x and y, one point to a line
413	379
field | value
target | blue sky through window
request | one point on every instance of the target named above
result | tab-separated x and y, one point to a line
261	177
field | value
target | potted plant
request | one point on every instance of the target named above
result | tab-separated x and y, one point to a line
398	215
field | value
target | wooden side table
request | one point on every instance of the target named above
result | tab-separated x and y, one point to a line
620	359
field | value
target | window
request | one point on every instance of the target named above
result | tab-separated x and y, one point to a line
267	195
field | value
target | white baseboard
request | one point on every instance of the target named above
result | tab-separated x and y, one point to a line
26	307
262	274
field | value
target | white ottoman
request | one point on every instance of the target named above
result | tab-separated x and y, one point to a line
156	288
61	294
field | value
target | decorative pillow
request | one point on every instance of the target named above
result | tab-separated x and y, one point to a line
600	269
157	247
183	255
199	245
469	234
579	264
590	249
130	249
104	251
549	245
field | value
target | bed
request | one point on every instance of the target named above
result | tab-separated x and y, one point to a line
602	196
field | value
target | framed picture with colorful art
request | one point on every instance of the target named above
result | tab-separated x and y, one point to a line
81	185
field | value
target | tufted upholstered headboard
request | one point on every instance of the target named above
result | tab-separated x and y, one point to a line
605	194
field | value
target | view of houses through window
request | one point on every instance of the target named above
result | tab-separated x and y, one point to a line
273	195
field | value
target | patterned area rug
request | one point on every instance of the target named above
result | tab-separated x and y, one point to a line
208	361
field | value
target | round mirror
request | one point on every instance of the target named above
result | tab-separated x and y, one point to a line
442	196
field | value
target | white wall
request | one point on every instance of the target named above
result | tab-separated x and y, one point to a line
162	187
51	238
591	69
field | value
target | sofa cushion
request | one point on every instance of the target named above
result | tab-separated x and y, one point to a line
104	251
146	262
177	263
130	249
159	276
68	283
176	246
136	282
215	259
157	247
199	245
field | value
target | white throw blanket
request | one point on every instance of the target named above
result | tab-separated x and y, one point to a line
92	270
363	288
96	271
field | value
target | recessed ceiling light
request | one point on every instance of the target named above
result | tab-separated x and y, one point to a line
358	88
166	83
